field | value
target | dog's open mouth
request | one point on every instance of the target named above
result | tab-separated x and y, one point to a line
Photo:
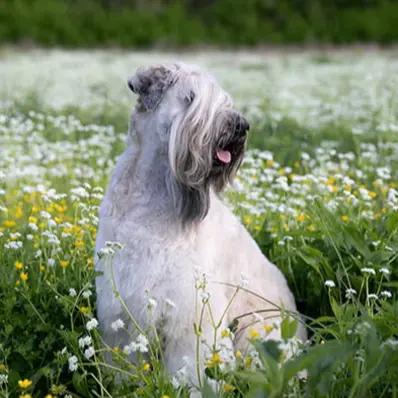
226	154
223	155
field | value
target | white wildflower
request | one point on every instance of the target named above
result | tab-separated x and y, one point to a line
118	324
85	341
386	294
86	294
51	262
89	352
73	363
369	271
330	283
91	324
385	271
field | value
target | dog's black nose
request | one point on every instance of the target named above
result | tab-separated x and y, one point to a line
132	85
242	126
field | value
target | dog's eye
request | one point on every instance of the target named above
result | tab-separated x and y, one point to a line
190	97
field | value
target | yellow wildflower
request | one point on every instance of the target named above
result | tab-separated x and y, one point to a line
248	361
64	263
59	208
214	361
146	367
42	268
25	383
330	181
301	217
247	219
49	396
18	212
79	243
33	220
24	276
84	310
253	334
9	223
268	328
238	354
25	396
165	396
35	209
226	333
372	194
345	218
228	387
18	265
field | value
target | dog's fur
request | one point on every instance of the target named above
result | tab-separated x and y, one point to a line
162	204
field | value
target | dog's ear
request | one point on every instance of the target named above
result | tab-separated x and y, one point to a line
151	84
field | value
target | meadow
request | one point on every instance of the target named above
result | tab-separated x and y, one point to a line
318	190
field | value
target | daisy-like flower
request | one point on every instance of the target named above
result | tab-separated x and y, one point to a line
72	292
369	271
140	345
86	294
85	341
73	363
385	271
386	294
214	360
350	293
372	296
51	262
89	352
118	324
330	283
25	383
91	324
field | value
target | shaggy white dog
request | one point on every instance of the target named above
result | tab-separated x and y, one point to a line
185	144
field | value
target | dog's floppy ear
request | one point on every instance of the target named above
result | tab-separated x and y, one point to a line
151	84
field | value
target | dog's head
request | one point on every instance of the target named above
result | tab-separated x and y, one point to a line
204	135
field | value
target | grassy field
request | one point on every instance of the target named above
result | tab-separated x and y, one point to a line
318	190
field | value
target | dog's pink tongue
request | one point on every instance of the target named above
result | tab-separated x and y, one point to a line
224	156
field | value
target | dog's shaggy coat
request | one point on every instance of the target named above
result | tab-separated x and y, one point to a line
185	143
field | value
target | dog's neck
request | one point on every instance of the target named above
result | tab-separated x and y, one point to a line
141	182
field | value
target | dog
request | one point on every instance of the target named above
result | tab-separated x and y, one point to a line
185	144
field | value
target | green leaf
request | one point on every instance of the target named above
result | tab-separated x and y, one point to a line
288	328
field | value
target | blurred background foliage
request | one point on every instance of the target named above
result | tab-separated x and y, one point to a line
170	23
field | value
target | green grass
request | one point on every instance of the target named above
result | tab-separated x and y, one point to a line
179	23
321	201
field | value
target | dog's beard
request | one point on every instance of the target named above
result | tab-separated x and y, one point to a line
222	161
227	157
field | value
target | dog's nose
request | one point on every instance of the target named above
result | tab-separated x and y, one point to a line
132	84
242	126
